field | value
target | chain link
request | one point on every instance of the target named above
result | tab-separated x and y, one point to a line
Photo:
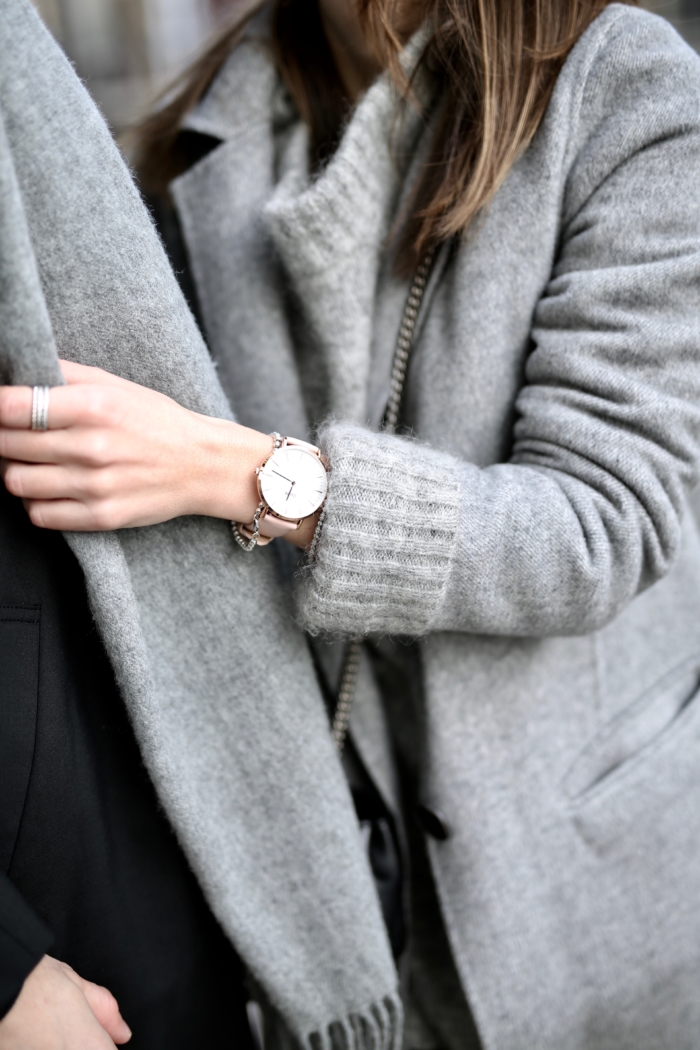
404	343
346	693
248	543
353	651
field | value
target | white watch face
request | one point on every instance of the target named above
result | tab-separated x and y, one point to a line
293	482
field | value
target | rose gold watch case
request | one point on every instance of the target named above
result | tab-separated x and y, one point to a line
278	523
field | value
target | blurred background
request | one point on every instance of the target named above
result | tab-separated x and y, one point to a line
685	16
127	50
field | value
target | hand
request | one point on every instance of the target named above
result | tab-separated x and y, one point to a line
57	1010
117	455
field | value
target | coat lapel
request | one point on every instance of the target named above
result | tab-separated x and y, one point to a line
236	270
286	267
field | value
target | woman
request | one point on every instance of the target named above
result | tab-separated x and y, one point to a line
536	192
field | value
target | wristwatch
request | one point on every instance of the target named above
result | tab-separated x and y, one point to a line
292	485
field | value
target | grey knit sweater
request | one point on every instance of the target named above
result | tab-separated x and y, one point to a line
534	533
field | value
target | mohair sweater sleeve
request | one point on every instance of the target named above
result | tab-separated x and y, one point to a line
588	510
388	536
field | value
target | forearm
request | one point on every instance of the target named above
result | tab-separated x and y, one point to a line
416	541
221	471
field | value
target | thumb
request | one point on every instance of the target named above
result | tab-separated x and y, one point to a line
104	1006
106	1010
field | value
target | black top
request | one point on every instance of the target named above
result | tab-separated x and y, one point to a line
89	866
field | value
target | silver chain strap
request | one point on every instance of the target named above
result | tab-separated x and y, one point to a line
404	342
346	693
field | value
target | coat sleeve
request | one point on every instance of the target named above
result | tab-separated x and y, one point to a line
24	939
587	512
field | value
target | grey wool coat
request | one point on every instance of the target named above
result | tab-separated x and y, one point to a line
215	674
534	533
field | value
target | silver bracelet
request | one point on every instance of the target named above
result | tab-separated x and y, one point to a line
243	541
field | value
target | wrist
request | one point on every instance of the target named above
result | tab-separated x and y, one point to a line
225	484
303	536
291	483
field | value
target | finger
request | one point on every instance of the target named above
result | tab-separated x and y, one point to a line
103	1005
106	1010
78	400
45	481
28	446
73	373
90	446
69	515
88	404
16	406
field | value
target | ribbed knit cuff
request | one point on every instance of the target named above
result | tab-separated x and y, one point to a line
389	535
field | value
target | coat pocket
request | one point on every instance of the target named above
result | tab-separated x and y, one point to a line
19	686
643	765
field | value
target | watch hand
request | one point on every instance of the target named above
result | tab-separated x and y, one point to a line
280	475
291	487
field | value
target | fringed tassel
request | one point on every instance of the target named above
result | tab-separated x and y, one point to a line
380	1028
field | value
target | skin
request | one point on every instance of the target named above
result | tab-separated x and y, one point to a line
355	59
118	455
356	62
58	1010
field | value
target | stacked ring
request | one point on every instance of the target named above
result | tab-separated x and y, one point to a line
40	407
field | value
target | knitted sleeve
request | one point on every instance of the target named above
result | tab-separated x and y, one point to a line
388	537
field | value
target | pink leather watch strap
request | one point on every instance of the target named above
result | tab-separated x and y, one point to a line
272	526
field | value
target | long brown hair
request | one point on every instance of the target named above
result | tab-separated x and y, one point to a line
497	60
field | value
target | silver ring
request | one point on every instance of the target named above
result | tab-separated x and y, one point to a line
40	407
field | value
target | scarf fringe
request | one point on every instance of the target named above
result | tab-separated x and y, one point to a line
378	1028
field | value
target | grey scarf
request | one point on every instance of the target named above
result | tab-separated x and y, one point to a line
215	675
